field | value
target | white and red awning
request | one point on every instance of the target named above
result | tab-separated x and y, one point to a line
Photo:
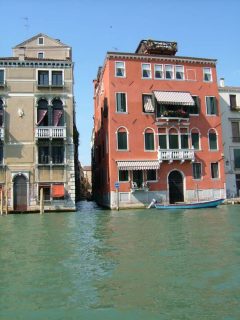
174	97
138	165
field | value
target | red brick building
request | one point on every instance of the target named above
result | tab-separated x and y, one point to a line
157	128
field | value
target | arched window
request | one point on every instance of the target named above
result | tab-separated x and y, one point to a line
212	139
57	113
42	113
1	112
173	138
195	137
149	140
122	139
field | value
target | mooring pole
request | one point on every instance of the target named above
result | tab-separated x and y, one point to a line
117	191
41	201
1	204
6	200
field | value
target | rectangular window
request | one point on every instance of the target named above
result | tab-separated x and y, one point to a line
168	71
195	109
1	153
43	78
236	153
57	78
57	154
43	155
147	103
214	170
149	141
1	77
158	71
207	74
151	175
173	141
179	72
120	69
41	40
123	175
195	140
233	101
146	71
197	170
122	140
235	131
162	138
184	141
211	105
40	55
121	102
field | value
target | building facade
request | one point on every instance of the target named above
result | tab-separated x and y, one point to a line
230	109
157	128
38	125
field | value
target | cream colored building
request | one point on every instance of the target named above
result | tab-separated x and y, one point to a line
37	125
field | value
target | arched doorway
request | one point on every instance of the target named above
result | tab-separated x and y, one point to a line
20	193
175	184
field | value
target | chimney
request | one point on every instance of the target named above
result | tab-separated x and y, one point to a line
221	83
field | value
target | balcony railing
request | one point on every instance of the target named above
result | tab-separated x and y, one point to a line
175	154
50	132
1	133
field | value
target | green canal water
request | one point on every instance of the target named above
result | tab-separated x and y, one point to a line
132	264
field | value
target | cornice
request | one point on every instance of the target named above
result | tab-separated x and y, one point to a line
34	64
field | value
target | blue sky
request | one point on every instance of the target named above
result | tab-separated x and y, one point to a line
206	28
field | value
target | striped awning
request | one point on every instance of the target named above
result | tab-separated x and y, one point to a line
138	165
147	102
174	97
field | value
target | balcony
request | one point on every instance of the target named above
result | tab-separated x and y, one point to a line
50	132
2	133
176	154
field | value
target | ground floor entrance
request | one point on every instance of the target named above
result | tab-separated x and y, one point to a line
20	193
175	185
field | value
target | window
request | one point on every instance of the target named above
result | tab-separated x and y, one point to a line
168	71
207	74
158	71
41	41
43	78
121	102
195	140
1	153
214	170
146	70
173	140
195	109
42	113
40	55
147	103
1	77
123	175
197	170
184	141
43	155
236	153
57	154
212	140
233	101
57	78
1	112
57	113
151	175
162	139
120	69
235	131
149	140
179	72
122	139
211	105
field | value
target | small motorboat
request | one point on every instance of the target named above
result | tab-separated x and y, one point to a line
191	205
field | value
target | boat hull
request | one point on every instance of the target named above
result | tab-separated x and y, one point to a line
194	205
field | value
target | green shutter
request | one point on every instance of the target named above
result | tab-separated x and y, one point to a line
236	158
122	141
195	140
149	141
162	138
213	141
184	141
173	141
